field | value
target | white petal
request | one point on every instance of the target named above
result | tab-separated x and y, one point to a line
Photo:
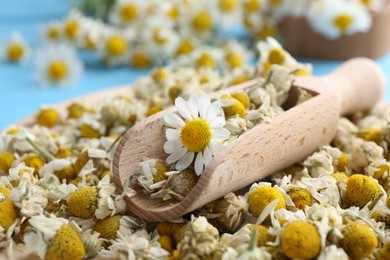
213	111
183	108
199	164
193	104
177	155
207	156
204	103
220	133
216	147
185	161
219	121
172	134
173	120
172	146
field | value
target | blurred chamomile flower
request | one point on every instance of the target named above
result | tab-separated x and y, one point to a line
199	137
336	18
226	13
52	31
236	55
127	12
57	65
15	50
71	26
114	48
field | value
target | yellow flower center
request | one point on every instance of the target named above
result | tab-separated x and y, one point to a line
35	162
76	111
7	213
234	59
301	239
71	28
260	197
228	5
141	60
236	109
6	160
168	228
159	37
301	73
359	240
268	30
53	33
116	45
202	21
361	190
366	2
275	2
276	56
161	168
240	79
301	197
173	13
108	227
370	134
167	243
263	236
343	161
175	91
184	47
57	70
13	131
206	60
15	52
88	131
65	244
48	117
252	5
153	110
196	135
83	203
159	74
243	98
343	21
129	12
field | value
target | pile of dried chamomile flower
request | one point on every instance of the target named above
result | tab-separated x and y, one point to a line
58	199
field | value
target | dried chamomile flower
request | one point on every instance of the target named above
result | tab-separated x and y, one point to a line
136	245
362	190
153	175
384	252
232	106
6	160
167	243
229	212
359	240
54	238
110	226
98	201
178	185
48	117
199	137
301	239
29	197
62	168
301	197
169	228
200	241
259	197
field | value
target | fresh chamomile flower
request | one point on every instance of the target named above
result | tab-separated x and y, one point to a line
54	238
15	50
226	13
199	137
71	26
236	55
57	65
127	12
337	18
114	48
52	32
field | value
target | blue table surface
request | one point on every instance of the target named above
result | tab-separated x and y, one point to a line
20	95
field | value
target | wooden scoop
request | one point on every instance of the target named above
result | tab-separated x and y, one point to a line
290	137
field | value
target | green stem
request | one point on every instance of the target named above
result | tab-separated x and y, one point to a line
253	240
40	150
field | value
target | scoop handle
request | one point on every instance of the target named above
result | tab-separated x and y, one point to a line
358	84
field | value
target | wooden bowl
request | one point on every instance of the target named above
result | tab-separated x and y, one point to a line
300	40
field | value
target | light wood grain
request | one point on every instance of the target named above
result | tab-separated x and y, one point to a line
290	137
300	40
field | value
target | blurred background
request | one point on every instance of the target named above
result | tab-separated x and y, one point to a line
21	95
